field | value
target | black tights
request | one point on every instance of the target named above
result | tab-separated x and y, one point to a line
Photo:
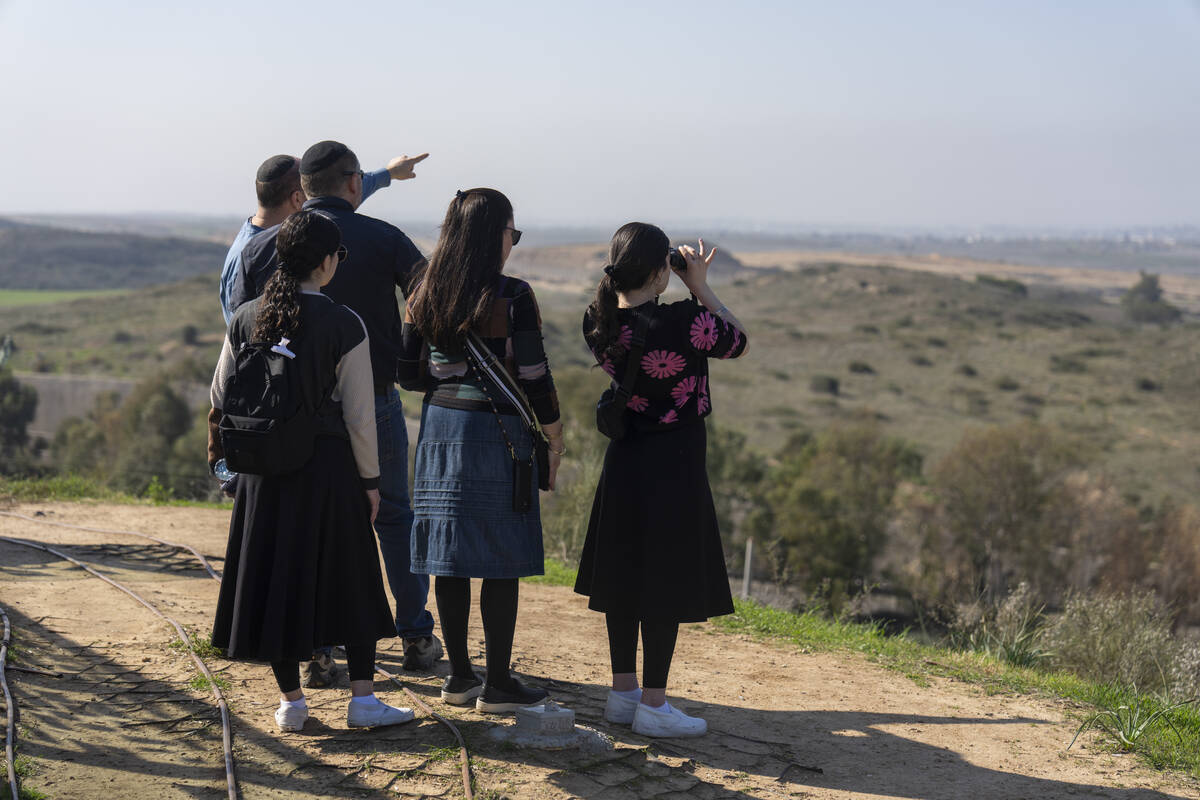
360	663
658	646
497	606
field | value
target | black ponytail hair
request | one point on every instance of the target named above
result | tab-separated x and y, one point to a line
305	239
637	255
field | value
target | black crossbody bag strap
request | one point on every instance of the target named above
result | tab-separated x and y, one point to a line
625	390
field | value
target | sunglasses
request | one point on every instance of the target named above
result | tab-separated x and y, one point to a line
342	253
516	235
357	172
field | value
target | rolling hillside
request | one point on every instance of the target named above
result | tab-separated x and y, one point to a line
43	257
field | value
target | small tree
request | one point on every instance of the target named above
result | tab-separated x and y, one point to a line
828	504
17	406
1144	302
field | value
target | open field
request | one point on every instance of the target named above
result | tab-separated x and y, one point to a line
13	298
126	717
925	348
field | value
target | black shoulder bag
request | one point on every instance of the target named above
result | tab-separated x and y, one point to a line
612	415
490	370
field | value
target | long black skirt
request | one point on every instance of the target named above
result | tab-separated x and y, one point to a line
301	566
653	549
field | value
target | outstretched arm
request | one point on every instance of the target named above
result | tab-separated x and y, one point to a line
400	168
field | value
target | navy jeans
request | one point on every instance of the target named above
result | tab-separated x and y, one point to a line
393	525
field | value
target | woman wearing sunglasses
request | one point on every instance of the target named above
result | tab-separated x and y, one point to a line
475	493
301	566
652	557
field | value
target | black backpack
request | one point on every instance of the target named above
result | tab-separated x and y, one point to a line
266	427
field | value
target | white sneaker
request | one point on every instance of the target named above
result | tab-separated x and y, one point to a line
666	722
362	715
620	709
291	718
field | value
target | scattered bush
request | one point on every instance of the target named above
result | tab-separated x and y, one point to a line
861	368
1003	284
1053	318
921	361
824	384
1148	385
904	322
1121	639
967	370
868	329
1144	302
934	341
1010	631
1007	384
1067	364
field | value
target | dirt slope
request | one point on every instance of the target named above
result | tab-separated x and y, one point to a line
122	722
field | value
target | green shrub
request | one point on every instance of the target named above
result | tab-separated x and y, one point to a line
921	361
824	384
935	341
1010	630
861	368
967	370
1007	384
1148	385
1066	364
1120	639
868	329
1004	284
1144	302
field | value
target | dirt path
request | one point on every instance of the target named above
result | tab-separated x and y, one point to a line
122	722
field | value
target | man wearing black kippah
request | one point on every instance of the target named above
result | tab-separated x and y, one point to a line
379	259
277	185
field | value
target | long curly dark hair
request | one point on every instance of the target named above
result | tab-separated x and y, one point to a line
305	239
636	255
455	291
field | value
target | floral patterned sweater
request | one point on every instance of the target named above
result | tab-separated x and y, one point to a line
671	387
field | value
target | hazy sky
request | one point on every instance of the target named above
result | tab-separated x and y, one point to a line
1010	112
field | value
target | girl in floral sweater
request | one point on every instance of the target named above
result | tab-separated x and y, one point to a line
652	558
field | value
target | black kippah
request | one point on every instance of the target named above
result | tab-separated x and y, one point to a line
275	168
321	155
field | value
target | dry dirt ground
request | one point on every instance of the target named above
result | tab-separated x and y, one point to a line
122	722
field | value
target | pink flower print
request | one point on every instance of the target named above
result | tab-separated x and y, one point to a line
662	363
637	403
702	404
625	338
704	331
683	390
737	340
607	366
668	418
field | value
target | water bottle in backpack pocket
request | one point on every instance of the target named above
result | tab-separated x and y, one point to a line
266	427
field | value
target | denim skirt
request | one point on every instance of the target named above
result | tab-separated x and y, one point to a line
464	522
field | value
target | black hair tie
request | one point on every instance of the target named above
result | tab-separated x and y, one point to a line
460	194
609	269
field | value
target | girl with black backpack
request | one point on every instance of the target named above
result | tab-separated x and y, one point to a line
301	566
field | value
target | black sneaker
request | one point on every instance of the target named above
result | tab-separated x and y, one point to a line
320	673
501	701
421	652
461	691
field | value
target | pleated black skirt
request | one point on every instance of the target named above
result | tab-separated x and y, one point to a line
301	566
653	548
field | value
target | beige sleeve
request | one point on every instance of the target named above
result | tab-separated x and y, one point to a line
355	390
221	375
